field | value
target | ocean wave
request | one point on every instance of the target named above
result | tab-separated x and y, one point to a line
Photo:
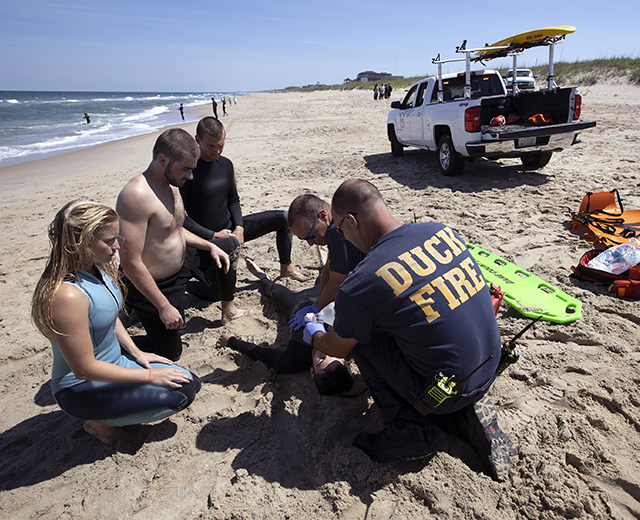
150	113
42	124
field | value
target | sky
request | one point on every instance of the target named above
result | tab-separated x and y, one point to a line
251	45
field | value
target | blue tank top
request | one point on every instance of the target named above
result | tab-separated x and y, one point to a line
105	301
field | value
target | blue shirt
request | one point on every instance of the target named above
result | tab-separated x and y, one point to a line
343	255
420	285
105	301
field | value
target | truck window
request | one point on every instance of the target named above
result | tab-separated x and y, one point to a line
434	93
410	98
453	88
481	86
420	97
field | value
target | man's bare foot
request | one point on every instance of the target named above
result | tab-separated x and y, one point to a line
323	254
287	271
255	270
230	312
103	432
223	341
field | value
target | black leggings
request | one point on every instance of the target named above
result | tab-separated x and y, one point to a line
295	358
259	224
123	404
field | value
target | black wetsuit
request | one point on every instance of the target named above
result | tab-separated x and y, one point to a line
297	355
212	204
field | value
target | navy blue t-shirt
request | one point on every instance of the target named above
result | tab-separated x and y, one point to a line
343	255
420	285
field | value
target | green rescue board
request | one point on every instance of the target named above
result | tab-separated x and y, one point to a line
528	294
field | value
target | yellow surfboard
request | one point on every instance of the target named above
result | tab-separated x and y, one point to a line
524	40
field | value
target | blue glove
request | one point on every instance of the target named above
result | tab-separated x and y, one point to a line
310	329
297	322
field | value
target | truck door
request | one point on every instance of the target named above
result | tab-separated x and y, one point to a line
430	105
410	124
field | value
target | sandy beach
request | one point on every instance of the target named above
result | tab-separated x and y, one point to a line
258	445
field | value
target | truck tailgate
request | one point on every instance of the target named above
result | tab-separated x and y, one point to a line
501	133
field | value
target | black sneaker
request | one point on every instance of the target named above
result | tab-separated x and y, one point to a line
477	425
392	443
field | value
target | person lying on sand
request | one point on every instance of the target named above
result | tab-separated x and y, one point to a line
330	375
76	305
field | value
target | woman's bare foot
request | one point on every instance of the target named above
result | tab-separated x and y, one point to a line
103	432
255	270
287	271
223	341
230	312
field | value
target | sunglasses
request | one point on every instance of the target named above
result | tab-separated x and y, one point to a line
312	233
339	226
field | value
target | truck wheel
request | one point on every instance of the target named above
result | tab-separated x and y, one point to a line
536	160
449	161
396	148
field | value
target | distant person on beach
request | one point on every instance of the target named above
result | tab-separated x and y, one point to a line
76	305
213	211
224	107
310	219
235	100
215	107
416	306
86	116
181	108
375	91
387	93
154	257
330	375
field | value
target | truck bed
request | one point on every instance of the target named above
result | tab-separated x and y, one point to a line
525	104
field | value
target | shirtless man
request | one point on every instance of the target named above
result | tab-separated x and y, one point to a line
154	243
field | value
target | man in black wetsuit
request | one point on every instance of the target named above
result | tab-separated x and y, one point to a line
213	211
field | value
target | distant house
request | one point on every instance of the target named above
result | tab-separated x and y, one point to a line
369	75
347	80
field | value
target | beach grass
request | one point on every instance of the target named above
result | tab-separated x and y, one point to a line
584	73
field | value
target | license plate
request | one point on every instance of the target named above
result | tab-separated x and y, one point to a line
526	141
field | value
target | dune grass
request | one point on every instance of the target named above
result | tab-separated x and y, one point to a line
590	72
585	73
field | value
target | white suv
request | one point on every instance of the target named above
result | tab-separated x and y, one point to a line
525	79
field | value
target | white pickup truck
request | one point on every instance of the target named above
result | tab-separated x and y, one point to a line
458	126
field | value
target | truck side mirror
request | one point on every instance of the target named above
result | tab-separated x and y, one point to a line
395	104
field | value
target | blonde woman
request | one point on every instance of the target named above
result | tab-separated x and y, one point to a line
76	305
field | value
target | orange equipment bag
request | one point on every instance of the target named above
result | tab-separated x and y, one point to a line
541	119
603	215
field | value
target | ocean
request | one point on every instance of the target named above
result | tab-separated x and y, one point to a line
35	125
